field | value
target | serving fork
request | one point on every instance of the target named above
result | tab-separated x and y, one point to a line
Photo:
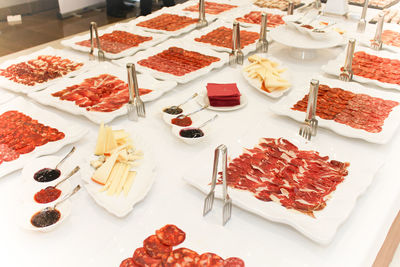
347	73
209	200
100	53
310	124
262	43
376	43
236	56
202	15
362	22
137	101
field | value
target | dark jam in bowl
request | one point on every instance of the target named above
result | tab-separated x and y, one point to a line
307	26
46	175
173	111
47	195
191	133
184	122
45	218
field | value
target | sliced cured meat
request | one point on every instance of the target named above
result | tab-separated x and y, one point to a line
155	248
167	22
39	70
391	38
142	259
359	111
210	260
171	235
7	154
211	8
222	37
254	17
234	262
118	41
182	257
276	170
279	4
128	263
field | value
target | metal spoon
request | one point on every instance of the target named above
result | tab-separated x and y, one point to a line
66	156
188	115
176	108
75	170
47	209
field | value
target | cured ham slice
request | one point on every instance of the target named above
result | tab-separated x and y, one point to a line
254	17
276	170
211	8
222	37
167	22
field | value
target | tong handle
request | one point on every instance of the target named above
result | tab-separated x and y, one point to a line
264	22
310	103
349	54
238	45
379	28
290	8
130	67
315	86
224	150
234	36
202	10
364	10
93	27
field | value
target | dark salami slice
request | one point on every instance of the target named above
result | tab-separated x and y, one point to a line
234	262
128	263
26	149
182	257
142	259
171	235
155	248
210	260
8	154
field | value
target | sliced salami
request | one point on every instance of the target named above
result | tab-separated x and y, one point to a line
128	263
155	248
171	235
210	260
182	257
233	262
142	259
7	154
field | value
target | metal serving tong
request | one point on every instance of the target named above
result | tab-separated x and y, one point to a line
362	22
202	15
209	200
290	8
236	56
262	43
310	125
100	53
317	4
376	44
135	104
347	73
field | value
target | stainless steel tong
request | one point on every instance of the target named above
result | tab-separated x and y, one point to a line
362	22
376	43
236	56
310	125
347	73
100	53
317	4
262	43
290	8
135	105
221	150
202	15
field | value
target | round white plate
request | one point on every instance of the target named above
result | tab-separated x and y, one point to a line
293	38
202	100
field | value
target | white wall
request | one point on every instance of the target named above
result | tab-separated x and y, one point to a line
67	6
7	3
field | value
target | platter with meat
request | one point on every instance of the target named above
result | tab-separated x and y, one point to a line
167	21
218	36
117	41
276	174
121	170
28	131
251	16
213	9
40	69
277	4
392	16
378	4
348	109
176	60
381	68
101	94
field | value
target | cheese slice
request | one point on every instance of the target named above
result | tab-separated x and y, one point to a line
117	178
101	175
129	181
101	139
113	173
110	140
120	134
123	155
123	179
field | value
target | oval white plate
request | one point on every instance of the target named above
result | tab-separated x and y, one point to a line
202	99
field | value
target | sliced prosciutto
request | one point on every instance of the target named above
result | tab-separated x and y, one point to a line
103	93
211	8
254	17
276	170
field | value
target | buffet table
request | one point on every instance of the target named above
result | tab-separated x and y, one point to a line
92	237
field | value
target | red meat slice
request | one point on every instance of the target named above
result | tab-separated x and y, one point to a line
142	259
155	248
171	235
234	262
128	263
210	260
182	257
7	154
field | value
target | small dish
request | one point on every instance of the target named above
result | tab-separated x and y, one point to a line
202	100
30	190
191	141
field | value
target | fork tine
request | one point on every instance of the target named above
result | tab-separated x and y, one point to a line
208	203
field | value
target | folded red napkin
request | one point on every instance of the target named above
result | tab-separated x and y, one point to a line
223	95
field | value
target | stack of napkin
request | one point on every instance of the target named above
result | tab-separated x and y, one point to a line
223	95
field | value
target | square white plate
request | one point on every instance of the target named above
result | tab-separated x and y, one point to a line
73	132
157	38
333	67
167	76
283	107
209	17
18	87
239	13
323	227
144	81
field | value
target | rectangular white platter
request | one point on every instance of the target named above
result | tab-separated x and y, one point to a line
5	96
122	205
144	81
21	88
217	24
283	107
365	38
167	76
323	227
165	10
333	67
73	132
157	38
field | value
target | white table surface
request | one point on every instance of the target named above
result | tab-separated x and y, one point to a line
92	237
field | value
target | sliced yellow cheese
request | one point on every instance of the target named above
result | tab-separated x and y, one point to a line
123	179
109	179
120	134
111	144
101	140
117	179
123	155
129	181
101	174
